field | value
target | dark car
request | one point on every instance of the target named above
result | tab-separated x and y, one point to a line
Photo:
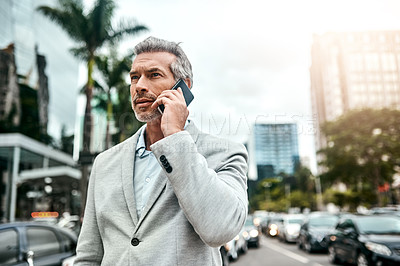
366	240
313	232
43	243
251	233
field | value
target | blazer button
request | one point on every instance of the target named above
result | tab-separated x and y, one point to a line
162	158
168	169
135	242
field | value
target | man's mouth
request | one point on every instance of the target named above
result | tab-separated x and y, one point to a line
143	102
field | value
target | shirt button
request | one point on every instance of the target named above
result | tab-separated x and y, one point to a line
135	242
147	180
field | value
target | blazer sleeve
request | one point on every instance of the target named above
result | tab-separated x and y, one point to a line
214	200
90	247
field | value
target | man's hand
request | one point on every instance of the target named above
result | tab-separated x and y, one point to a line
175	113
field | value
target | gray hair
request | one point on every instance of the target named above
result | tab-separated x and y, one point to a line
181	68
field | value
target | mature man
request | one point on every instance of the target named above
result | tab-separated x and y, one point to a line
170	194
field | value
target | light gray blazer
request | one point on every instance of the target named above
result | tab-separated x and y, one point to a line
193	210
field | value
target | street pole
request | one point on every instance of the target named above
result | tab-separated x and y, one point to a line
287	193
320	204
14	177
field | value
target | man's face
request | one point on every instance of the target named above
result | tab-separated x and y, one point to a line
150	75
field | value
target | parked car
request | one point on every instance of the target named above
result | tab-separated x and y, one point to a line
251	233
313	232
366	240
236	246
40	243
232	250
289	229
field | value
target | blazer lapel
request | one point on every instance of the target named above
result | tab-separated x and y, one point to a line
161	181
127	170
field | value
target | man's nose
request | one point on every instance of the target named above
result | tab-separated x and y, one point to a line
142	85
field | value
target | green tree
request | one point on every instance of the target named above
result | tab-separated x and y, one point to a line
363	149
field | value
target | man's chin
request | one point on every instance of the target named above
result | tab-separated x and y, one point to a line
147	117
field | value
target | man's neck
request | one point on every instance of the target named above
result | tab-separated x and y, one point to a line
153	133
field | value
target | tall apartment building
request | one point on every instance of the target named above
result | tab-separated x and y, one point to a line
274	149
353	70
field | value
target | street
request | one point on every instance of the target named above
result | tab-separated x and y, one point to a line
273	252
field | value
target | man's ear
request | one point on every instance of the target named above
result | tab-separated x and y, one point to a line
188	83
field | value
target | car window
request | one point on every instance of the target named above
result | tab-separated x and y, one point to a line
42	241
68	243
345	225
324	221
249	222
295	221
373	225
8	246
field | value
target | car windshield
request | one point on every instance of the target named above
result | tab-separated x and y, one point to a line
249	222
295	221
323	221
378	225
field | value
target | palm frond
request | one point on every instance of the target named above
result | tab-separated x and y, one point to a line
125	28
96	86
69	17
80	52
100	18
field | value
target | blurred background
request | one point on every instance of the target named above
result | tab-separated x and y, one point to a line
312	88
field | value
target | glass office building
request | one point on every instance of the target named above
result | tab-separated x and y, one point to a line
275	149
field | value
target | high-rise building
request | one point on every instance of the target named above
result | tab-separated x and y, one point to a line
353	70
274	149
32	34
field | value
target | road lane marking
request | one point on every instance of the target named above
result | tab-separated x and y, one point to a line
288	253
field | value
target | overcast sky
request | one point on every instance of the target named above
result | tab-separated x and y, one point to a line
251	58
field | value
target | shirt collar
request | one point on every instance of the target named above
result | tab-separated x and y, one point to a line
141	144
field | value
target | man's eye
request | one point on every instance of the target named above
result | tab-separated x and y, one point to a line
134	78
155	75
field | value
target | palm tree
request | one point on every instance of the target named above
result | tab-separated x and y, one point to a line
91	30
113	72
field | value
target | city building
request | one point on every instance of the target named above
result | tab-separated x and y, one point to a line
35	177
10	103
353	70
274	150
42	56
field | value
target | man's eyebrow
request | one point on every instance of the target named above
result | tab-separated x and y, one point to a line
154	69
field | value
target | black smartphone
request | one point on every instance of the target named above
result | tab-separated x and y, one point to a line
186	93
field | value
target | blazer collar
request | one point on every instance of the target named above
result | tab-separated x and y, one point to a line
128	161
127	170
